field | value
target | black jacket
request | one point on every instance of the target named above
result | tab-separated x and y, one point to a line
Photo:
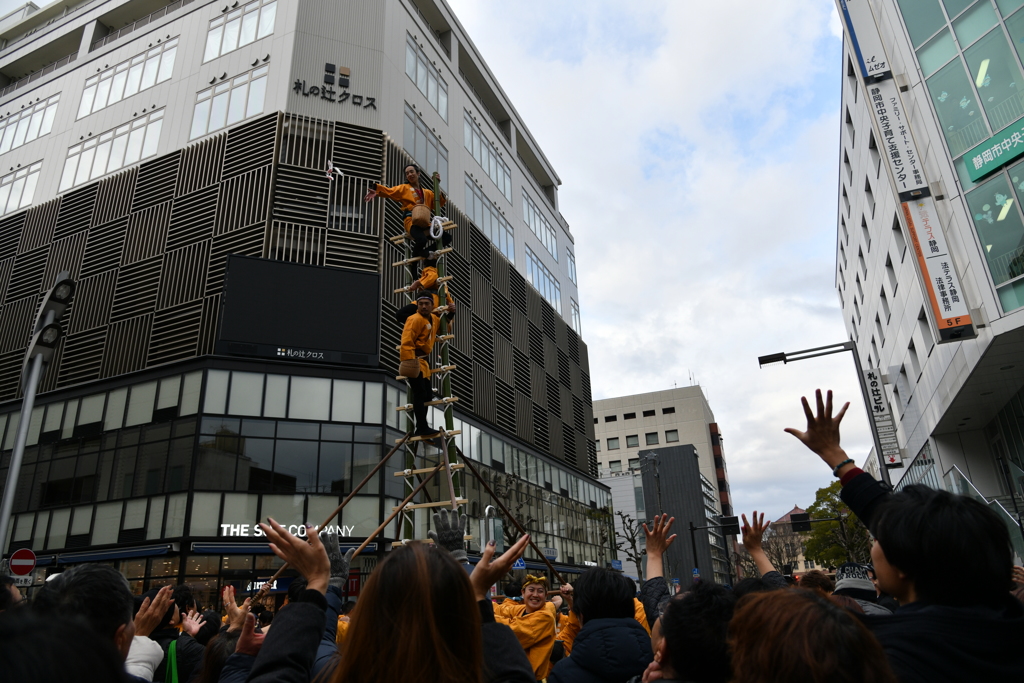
930	643
605	651
652	594
190	654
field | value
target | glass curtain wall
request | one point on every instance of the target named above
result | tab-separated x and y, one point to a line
970	56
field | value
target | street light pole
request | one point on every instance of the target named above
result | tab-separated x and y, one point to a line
827	351
46	334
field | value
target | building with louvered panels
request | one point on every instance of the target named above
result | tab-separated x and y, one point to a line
230	353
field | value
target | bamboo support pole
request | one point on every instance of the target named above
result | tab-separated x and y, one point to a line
401	506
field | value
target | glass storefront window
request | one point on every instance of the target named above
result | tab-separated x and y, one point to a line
309	398
348	401
973	24
205	514
999	226
246	394
954	102
998	79
923	18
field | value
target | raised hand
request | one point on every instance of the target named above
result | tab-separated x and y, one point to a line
249	642
152	612
307	558
192	622
822	435
450	530
658	539
339	563
487	572
753	531
236	614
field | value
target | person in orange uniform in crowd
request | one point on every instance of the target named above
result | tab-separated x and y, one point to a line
533	622
417	342
408	195
571	624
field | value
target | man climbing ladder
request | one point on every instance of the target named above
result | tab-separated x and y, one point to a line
418	337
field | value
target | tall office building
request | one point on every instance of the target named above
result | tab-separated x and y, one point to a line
628	427
230	353
931	234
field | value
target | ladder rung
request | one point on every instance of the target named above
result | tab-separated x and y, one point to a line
407	541
414	259
443	337
409	473
398	239
441	402
435	504
431	438
446	278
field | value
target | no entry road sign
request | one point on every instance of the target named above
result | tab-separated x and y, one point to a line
23	562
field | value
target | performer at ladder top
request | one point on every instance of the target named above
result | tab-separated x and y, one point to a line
409	195
417	343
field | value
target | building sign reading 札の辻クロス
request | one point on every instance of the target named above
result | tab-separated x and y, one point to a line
942	283
863	33
996	152
294	529
881	418
897	140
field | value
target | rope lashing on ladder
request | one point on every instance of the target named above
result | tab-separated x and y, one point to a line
437	226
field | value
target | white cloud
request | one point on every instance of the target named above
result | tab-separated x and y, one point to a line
698	149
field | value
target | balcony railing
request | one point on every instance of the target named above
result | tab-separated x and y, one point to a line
144	21
35	76
67	12
957	482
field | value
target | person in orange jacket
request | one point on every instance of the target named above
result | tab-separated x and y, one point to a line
427	282
417	342
408	195
533	622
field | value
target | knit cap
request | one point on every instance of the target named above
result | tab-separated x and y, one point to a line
853	575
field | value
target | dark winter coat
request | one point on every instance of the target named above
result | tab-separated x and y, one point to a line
190	654
605	651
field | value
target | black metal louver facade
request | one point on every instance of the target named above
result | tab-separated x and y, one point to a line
149	247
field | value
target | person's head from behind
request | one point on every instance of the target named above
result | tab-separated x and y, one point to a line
96	593
689	639
751	584
172	617
535	592
514	590
603	594
347	608
423	600
220	647
184	599
799	637
55	649
817	581
924	538
295	588
10	595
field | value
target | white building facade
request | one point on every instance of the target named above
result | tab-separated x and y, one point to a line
955	94
89	89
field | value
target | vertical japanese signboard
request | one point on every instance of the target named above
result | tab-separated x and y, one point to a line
881	418
941	280
897	143
867	44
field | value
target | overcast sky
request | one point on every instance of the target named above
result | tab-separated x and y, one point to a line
697	145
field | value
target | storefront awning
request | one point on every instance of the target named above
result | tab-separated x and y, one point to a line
116	553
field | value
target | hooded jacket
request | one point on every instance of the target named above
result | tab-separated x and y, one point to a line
605	651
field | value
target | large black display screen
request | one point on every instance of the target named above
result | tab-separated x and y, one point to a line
291	311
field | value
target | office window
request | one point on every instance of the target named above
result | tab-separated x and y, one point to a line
426	77
540	225
482	212
613	443
128	78
423	146
615	465
597	445
113	150
629	416
240	27
634	463
633	441
25	125
486	155
570	264
543	281
668	411
649	413
227	103
651	438
611	418
671	435
576	325
17	188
